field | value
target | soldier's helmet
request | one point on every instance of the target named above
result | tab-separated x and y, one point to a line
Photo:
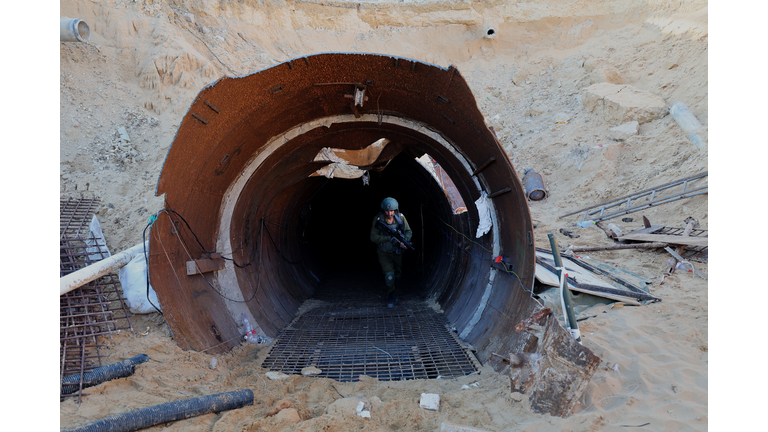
389	204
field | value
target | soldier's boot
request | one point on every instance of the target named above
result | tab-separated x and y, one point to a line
389	278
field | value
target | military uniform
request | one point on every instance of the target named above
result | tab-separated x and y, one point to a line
390	256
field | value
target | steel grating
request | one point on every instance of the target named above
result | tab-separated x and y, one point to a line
411	341
695	253
93	310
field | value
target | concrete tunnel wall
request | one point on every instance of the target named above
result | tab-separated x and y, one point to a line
238	173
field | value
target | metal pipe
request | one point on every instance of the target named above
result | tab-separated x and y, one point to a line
73	30
99	269
565	295
688	123
170	412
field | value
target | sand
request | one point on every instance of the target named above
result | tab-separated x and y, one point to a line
147	60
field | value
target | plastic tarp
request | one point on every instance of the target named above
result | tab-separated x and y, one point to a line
345	163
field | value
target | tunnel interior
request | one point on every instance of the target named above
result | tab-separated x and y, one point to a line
300	231
336	223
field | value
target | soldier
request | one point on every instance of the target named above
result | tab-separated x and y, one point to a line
389	249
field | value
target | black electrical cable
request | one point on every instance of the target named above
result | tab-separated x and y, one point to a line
188	227
275	244
198	239
507	270
262	226
255	290
146	259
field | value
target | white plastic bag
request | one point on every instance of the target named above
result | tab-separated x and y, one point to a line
133	278
484	214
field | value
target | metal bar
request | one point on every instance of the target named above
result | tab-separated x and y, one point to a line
652	190
484	165
690	194
616	204
500	192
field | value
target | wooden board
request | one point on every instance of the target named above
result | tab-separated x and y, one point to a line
666	238
545	276
580	274
618	272
548	278
649	230
204	266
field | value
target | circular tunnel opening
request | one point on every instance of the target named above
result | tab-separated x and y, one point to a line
244	171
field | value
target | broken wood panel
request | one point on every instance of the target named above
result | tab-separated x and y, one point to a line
619	275
653	245
547	277
556	371
635	293
670	239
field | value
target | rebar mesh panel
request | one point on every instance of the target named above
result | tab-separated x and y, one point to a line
410	341
93	310
75	215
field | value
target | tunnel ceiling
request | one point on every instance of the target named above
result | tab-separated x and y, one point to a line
244	154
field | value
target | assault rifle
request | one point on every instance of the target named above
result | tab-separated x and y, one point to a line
395	235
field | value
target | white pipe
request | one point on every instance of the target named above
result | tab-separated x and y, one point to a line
73	30
688	123
99	269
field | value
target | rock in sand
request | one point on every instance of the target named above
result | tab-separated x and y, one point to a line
621	133
623	103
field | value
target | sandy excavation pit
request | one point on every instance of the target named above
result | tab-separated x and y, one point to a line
148	60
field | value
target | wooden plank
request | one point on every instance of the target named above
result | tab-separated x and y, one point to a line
619	275
617	247
666	238
649	230
204	266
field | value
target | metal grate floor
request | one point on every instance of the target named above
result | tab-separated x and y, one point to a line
410	341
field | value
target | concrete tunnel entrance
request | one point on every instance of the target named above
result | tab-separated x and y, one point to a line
250	229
